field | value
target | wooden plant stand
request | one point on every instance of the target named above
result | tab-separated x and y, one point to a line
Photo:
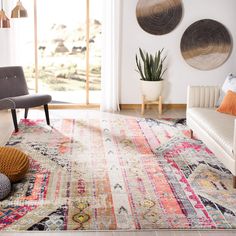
158	102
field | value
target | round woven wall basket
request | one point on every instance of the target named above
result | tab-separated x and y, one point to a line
159	17
206	44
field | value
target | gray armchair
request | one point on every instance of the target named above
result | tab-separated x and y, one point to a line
14	93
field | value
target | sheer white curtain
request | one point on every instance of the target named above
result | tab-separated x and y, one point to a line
15	41
110	56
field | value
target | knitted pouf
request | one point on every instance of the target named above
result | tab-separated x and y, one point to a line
5	186
13	163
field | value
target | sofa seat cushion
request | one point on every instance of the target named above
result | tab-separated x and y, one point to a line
219	126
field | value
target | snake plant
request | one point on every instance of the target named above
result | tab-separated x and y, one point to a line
150	67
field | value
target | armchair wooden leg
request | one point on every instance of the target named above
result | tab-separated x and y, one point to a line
234	181
191	133
26	112
47	113
14	117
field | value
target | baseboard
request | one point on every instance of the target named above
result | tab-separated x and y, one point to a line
175	106
165	106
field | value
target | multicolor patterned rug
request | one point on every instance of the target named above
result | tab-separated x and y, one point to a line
117	173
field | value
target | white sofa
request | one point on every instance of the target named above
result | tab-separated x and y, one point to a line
215	129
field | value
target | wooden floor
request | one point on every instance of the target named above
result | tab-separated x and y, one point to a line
6	128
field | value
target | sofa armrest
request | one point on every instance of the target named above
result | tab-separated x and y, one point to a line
203	96
234	147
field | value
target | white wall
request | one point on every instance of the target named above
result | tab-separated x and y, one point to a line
4	45
179	74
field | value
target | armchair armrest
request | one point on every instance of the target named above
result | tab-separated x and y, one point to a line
6	103
202	96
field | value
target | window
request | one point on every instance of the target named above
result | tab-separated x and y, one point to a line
67	62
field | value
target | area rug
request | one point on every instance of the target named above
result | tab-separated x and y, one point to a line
117	173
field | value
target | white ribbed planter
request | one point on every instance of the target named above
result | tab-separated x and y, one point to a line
151	89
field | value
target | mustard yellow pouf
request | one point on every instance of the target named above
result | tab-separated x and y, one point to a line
13	163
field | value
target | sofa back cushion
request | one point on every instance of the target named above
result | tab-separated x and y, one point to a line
229	84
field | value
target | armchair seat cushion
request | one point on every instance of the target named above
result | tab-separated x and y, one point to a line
25	101
217	125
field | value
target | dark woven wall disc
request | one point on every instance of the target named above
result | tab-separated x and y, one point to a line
206	44
159	17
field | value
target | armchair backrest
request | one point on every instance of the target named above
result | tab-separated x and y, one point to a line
12	82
